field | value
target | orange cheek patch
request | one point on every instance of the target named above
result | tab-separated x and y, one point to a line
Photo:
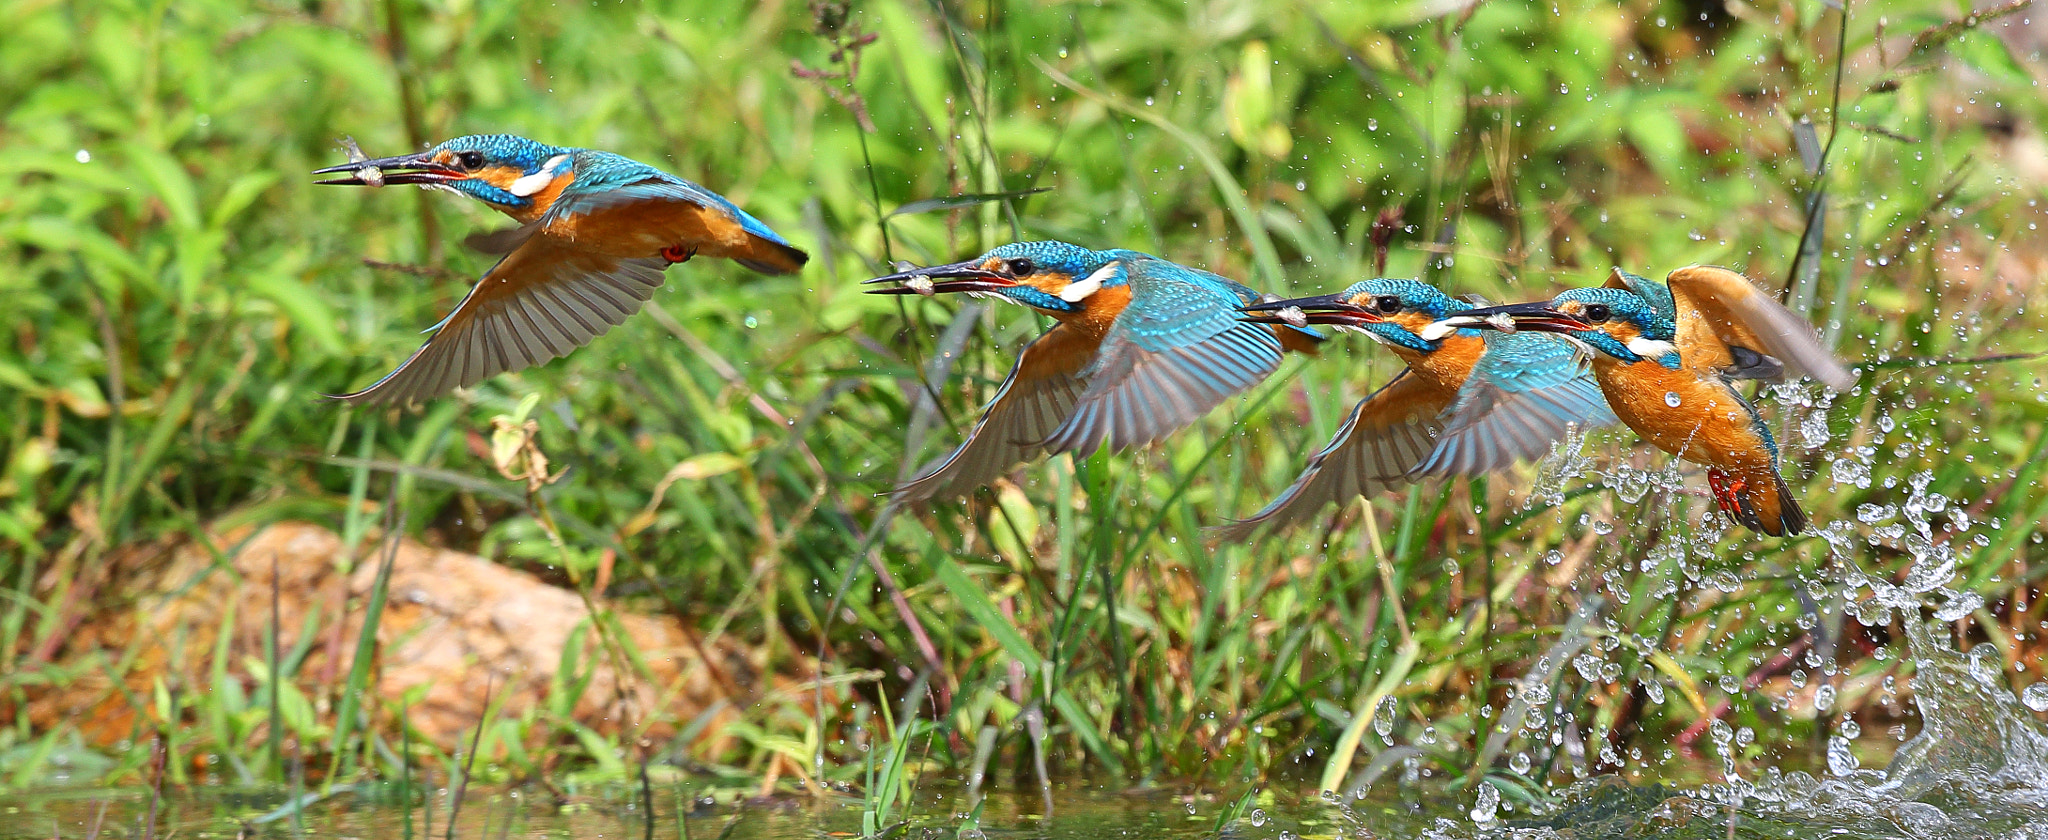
499	176
1410	321
1048	283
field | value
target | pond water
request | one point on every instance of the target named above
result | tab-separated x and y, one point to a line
1978	768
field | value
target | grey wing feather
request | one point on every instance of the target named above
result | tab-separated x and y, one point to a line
1791	340
1021	415
1356	462
518	326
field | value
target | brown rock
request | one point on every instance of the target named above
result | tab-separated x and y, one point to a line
457	631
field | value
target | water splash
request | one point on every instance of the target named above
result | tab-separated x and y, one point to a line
1977	769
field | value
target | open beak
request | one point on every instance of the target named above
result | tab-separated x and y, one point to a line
403	169
1321	309
954	277
1538	316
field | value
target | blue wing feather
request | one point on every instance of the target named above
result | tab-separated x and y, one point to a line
1176	352
1525	391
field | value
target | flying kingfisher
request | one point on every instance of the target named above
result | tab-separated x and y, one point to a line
1468	402
595	233
1143	347
1664	354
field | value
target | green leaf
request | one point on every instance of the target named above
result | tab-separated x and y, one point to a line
170	184
1986	54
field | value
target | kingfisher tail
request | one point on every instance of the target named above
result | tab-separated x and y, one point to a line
1761	503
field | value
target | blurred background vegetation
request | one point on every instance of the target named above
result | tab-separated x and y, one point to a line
179	292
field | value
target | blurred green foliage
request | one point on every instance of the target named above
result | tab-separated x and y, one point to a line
179	292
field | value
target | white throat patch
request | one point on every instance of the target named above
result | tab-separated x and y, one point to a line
1437	330
1650	348
529	184
1079	290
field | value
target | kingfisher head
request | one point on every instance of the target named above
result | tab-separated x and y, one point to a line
502	170
1052	277
1402	313
1618	323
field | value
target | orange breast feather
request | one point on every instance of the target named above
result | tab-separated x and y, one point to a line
1449	365
1708	426
1098	313
643	228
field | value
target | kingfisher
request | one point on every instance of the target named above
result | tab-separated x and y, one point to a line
1469	402
596	232
1665	355
1141	347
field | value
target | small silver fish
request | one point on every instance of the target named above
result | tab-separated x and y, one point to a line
920	284
370	176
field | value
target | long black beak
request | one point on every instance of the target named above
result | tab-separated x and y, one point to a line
1321	309
403	169
953	277
1539	316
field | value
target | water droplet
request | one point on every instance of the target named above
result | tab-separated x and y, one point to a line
1671	399
1258	817
1960	604
1520	763
1487	803
83	156
1852	472
2036	697
1841	761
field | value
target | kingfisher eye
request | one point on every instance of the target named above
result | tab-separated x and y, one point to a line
1020	267
1596	313
1386	303
470	159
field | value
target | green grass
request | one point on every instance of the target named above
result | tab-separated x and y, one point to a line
180	291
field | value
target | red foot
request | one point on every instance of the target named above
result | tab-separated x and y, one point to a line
677	254
1727	491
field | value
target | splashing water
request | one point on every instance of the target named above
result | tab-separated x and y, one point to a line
1977	769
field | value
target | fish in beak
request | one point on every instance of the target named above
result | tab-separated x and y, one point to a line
954	277
1334	309
1539	316
402	169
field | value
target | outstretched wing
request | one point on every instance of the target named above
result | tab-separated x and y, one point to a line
1175	352
686	214
1524	393
1037	397
1719	309
1387	434
541	301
